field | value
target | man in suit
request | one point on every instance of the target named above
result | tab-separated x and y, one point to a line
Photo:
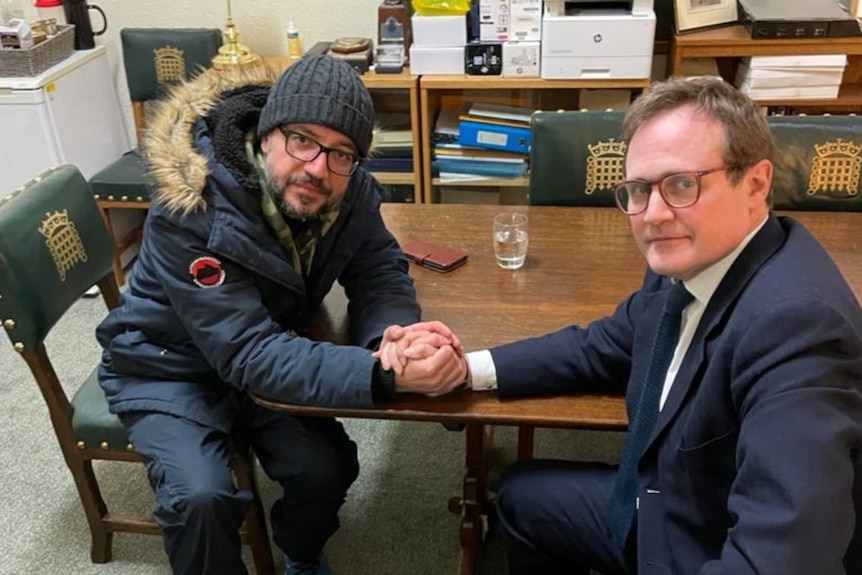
748	459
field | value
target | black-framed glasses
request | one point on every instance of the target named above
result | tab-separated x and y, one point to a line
679	190
306	149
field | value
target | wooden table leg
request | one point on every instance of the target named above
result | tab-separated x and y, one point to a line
526	436
474	495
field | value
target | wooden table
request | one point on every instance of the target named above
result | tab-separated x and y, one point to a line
581	263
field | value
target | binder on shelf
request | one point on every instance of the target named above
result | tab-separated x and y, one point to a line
383	164
495	135
455	150
480	168
500	112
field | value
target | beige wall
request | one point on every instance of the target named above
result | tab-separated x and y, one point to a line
261	23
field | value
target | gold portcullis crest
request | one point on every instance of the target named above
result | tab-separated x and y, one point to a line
835	169
170	65
605	165
63	241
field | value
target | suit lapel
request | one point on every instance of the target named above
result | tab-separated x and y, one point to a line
767	241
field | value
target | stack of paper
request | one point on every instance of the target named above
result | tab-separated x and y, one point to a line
791	77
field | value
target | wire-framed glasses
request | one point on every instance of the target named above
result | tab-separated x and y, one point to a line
679	190
306	149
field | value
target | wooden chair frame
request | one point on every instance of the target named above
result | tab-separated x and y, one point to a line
79	457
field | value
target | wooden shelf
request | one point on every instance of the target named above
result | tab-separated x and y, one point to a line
465	82
373	80
438	91
395	178
736	41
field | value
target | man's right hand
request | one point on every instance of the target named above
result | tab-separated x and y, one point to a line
416	341
438	372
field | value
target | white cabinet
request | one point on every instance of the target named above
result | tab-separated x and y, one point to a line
69	114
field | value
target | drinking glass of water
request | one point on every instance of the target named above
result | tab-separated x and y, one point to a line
510	240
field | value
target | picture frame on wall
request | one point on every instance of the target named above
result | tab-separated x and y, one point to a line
693	15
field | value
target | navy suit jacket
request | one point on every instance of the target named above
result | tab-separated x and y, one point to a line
755	463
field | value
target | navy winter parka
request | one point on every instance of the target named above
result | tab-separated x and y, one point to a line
214	307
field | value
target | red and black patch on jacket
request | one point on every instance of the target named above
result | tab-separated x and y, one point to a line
207	272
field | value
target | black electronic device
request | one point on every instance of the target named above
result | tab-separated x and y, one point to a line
798	19
484	59
319	49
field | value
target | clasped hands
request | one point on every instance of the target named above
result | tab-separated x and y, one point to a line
426	357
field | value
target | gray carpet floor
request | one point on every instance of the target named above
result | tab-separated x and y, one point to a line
395	520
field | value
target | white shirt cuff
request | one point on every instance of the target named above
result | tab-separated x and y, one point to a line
483	373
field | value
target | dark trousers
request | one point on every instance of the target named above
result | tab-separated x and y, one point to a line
555	517
200	509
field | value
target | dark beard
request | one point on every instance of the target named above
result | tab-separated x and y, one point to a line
288	210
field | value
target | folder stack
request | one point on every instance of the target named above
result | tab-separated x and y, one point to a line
492	141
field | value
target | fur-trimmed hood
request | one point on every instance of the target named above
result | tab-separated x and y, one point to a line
178	169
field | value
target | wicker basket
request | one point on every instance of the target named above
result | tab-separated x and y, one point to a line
35	60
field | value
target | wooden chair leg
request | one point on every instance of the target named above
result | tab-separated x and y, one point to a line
94	508
117	263
255	521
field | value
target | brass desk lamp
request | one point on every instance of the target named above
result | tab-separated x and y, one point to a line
233	54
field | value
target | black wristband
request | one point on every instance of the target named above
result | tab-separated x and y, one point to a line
382	384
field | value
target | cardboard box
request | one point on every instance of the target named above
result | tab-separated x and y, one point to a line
526	23
431	31
494	20
436	59
522	59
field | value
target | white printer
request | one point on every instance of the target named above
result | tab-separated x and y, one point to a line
594	39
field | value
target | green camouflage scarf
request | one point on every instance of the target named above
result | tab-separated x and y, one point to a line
300	248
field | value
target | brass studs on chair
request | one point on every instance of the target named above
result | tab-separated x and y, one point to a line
19	347
105	446
81	445
140	198
124	198
9	324
130	447
111	198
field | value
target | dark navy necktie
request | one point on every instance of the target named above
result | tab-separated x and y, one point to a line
646	412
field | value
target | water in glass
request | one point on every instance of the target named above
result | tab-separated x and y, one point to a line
510	248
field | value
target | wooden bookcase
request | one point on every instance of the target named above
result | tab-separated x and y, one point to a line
728	44
435	92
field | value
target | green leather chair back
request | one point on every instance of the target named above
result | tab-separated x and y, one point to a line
576	158
53	247
818	163
156	58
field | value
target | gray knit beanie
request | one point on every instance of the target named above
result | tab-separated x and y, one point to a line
321	90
